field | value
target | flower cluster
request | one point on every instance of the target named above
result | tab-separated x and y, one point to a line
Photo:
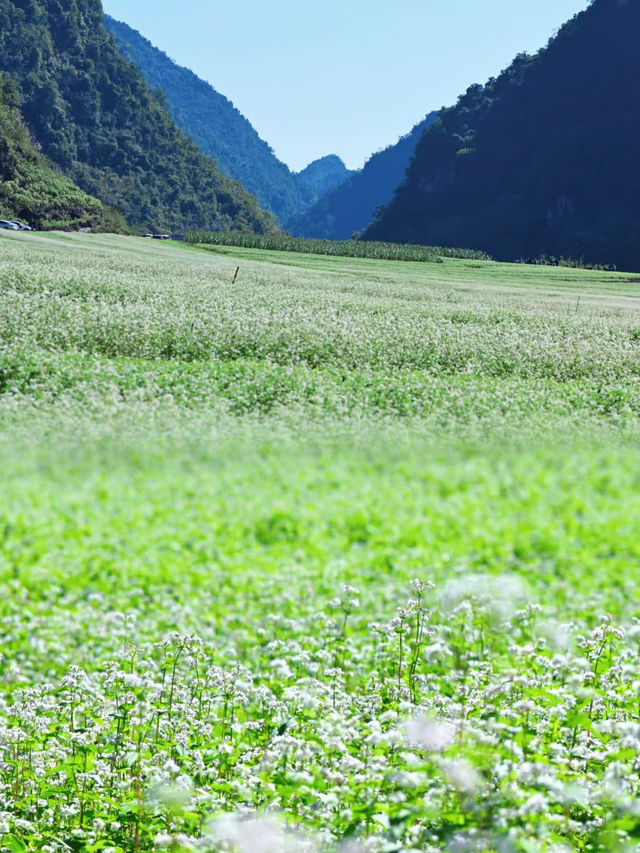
394	733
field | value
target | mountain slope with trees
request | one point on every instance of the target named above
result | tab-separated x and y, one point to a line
31	188
351	205
541	160
214	124
92	114
221	131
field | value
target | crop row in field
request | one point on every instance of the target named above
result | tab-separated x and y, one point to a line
466	405
182	306
341	248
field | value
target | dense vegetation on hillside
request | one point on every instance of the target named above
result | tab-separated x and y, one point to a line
542	159
351	205
93	115
31	188
222	132
214	124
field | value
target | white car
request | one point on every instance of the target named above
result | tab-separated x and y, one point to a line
10	226
21	226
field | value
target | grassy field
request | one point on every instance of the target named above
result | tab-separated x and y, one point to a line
340	556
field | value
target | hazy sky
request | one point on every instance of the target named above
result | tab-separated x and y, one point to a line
342	76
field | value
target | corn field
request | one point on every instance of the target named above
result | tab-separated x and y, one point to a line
342	248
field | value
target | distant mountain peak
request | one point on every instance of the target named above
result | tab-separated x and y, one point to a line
329	161
349	207
322	175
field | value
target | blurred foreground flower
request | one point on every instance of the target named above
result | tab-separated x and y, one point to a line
499	595
429	734
258	835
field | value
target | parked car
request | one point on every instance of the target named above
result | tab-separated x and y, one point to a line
22	226
10	226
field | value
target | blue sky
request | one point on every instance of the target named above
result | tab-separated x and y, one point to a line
347	76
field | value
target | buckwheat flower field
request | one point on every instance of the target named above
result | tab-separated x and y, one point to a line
340	557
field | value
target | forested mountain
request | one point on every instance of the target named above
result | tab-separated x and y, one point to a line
31	188
350	206
542	159
221	131
321	176
214	124
93	115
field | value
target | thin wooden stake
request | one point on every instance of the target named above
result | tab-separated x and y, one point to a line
236	275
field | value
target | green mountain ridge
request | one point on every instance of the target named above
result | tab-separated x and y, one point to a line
220	130
542	159
91	113
351	205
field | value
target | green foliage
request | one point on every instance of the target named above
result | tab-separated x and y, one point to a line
542	159
93	115
336	552
9	92
339	248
